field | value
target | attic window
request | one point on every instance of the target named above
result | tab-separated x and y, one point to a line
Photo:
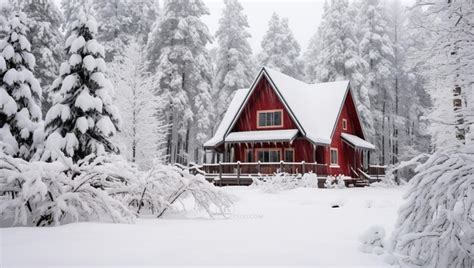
269	118
344	124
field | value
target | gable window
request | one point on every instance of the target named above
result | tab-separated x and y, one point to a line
269	118
268	155
289	155
344	124
334	157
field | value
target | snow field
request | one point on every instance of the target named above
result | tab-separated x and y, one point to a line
294	227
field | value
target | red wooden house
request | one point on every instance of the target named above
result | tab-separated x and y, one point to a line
283	124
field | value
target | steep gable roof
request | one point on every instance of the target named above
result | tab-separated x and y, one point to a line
314	108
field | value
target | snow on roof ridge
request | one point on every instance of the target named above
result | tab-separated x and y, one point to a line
308	84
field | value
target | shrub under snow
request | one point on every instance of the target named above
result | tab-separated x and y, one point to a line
335	182
436	225
284	181
373	240
104	188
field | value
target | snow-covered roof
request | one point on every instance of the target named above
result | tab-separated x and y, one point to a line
357	142
315	108
263	135
229	115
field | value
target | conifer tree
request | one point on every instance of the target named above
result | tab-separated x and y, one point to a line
115	25
376	49
21	130
334	55
82	119
234	68
178	56
280	50
44	22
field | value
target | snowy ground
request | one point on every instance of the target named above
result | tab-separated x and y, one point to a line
295	227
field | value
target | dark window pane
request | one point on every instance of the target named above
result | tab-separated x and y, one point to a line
277	118
262	119
269	119
249	157
261	156
274	156
289	156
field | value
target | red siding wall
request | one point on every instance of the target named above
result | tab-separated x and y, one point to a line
263	98
345	152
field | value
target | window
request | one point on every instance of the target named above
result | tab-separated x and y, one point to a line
344	124
334	157
271	118
249	155
289	155
268	155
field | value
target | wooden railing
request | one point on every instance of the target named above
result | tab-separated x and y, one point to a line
265	168
376	170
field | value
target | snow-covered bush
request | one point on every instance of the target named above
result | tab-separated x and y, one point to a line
284	181
155	191
335	182
436	225
309	180
373	240
329	183
97	188
39	193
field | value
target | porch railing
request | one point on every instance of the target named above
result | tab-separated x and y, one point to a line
267	168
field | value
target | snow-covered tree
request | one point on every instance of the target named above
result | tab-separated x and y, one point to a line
435	226
83	118
376	49
44	22
144	132
144	14
72	10
333	55
280	50
234	68
21	129
115	25
178	56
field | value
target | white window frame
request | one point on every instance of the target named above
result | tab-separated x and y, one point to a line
270	111
344	124
331	164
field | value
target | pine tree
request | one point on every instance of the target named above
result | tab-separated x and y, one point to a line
144	133
280	50
82	119
234	66
177	55
44	22
334	55
435	227
71	11
144	14
115	25
21	130
376	48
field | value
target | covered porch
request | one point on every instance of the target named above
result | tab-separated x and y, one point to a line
263	153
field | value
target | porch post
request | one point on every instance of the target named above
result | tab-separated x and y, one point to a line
238	172
220	173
